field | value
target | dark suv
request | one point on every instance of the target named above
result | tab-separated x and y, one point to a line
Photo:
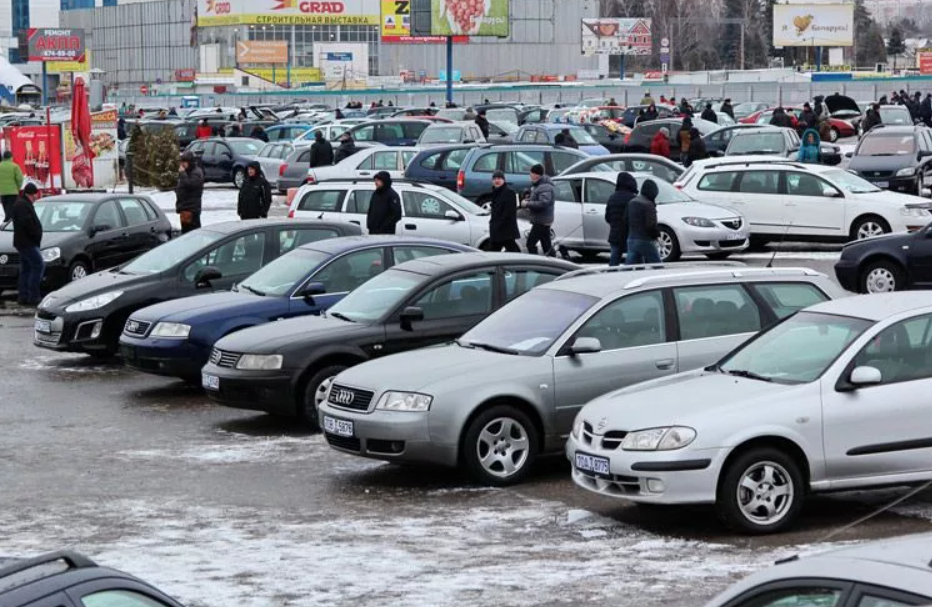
895	158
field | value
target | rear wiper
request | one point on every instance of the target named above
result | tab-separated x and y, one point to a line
253	291
748	374
493	348
340	316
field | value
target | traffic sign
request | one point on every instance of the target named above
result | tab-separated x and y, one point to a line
664	42
144	89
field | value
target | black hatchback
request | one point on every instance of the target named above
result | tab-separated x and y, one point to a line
224	159
896	158
85	233
88	316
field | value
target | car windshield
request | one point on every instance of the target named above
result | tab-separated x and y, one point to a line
377	296
796	351
530	324
60	215
849	182
246	148
581	136
887	144
892	114
502	115
756	143
172	252
280	276
443	134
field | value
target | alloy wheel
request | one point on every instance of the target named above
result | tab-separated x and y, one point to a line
880	280
503	447
320	396
869	229
238	178
78	272
664	244
765	493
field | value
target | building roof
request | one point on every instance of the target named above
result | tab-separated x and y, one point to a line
11	77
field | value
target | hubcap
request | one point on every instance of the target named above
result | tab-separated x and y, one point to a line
834	136
238	179
503	447
78	272
765	493
869	229
880	280
664	245
321	394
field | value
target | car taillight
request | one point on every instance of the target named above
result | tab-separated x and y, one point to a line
310	179
290	213
678	186
282	169
460	181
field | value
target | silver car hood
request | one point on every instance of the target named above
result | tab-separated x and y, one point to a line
673	211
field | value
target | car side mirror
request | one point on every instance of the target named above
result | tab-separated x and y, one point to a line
411	315
849	154
865	376
453	215
585	345
924	154
100	227
831	193
310	290
205	275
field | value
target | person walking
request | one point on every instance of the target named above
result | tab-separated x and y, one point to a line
709	114
810	152
660	144
642	226
647	99
27	240
483	123
565	139
872	119
808	118
255	196
384	206
188	193
729	109
346	148
684	140
616	216
503	222
321	151
650	113
11	182
697	150
540	203
121	128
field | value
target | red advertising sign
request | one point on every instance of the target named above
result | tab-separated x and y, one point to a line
185	75
54	44
37	151
925	62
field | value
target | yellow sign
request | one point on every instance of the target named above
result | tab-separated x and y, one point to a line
267	19
298	74
62	67
396	18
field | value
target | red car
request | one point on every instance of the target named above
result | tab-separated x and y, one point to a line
840	128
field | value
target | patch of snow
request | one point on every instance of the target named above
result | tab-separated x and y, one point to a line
68	363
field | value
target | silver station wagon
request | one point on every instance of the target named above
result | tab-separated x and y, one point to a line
508	390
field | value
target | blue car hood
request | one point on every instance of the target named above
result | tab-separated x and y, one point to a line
214	306
594	150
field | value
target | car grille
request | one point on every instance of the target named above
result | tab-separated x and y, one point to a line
877	174
732	224
349	398
610	441
136	327
225	359
346	443
10	264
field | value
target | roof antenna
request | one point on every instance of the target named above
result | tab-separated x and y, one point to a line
782	238
321	216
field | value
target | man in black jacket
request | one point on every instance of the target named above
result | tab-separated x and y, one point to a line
255	197
503	222
616	211
321	151
346	148
189	192
384	206
483	123
729	109
709	114
565	139
27	240
642	226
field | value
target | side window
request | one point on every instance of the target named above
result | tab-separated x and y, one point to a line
521	162
409	253
150	212
349	271
598	191
385	161
359	201
239	256
648	131
464	296
292	239
266	151
196	147
305	157
366	164
487	163
562	161
431	162
133	211
718	182
389	132
715	310
636	320
895	599
654	168
528	136
407	156
366	133
454	160
418	204
806	596
900	351
119	598
760	182
323	201
413	130
336	131
107	214
804	184
564	190
788	298
519	282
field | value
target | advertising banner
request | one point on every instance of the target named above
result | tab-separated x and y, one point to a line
37	151
924	59
213	13
470	18
262	51
52	44
813	24
65	67
616	37
396	19
103	146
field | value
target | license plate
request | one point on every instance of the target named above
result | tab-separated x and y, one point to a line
340	427
735	237
210	382
591	463
882	184
43	326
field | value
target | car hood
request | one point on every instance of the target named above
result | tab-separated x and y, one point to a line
836	103
674	211
214	305
885	242
594	150
288	335
96	284
881	163
895	198
49	239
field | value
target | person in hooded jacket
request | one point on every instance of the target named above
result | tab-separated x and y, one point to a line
346	148
819	108
503	222
483	123
650	113
188	193
808	118
616	215
871	119
660	144
255	197
697	150
810	150
321	151
780	119
641	219
384	206
925	110
729	109
709	114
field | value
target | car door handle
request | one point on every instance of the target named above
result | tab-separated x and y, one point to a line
593	212
356	222
410	226
664	363
364	173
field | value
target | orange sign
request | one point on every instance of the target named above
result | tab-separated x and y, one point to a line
267	51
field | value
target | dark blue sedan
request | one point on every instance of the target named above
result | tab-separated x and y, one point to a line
175	338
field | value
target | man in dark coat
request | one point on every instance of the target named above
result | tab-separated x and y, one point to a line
616	211
384	206
808	118
697	149
650	113
483	123
188	193
540	202
321	151
255	197
27	240
925	110
709	114
642	226
503	222
260	134
346	148
565	138
729	109
780	119
871	119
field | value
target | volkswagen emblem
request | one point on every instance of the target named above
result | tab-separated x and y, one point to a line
602	424
343	397
4	259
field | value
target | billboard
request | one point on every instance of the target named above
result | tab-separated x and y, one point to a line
396	19
103	145
616	37
68	67
262	51
213	13
36	150
813	24
924	62
470	18
55	44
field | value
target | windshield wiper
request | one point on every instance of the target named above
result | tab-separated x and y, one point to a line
713	369
253	291
340	316
748	374
492	348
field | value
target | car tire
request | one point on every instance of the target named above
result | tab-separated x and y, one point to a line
79	269
314	392
834	136
869	226
761	492
500	446
239	177
668	246
883	276
720	256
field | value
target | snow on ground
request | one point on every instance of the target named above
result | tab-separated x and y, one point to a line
217	205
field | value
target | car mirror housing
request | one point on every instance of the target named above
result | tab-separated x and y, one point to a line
453	215
409	316
101	227
865	376
205	275
585	345
310	290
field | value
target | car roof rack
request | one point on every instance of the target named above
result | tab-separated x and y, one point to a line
715	268
747	162
72	559
736	273
357	180
591	270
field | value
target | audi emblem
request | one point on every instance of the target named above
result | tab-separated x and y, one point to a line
343	397
4	259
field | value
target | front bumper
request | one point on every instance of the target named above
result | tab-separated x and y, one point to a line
684	476
394	436
712	240
268	391
848	273
166	357
83	332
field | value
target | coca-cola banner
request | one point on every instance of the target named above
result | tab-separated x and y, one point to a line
37	151
103	144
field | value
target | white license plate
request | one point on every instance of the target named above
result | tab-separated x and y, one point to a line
735	237
591	463
340	427
210	382
43	326
882	184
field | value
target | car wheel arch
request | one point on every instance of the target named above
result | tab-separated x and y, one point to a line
864	217
83	257
882	256
343	358
781	443
517	402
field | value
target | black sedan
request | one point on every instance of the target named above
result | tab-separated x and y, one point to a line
88	316
895	262
85	233
287	367
224	159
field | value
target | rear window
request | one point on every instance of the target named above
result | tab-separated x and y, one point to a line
487	163
788	298
322	200
718	182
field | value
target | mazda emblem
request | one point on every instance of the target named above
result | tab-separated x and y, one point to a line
4	259
343	397
602	424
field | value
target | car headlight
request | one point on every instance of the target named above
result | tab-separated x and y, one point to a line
659	439
174	330
92	303
260	362
698	222
577	427
913	212
907	172
51	254
404	401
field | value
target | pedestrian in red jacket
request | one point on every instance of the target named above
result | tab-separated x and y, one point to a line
660	145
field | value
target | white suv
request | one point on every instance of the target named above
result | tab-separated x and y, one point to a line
786	199
427	210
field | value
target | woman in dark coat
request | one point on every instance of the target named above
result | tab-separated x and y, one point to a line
255	197
503	223
616	211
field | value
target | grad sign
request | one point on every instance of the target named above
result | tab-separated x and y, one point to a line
470	18
213	13
813	24
50	44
